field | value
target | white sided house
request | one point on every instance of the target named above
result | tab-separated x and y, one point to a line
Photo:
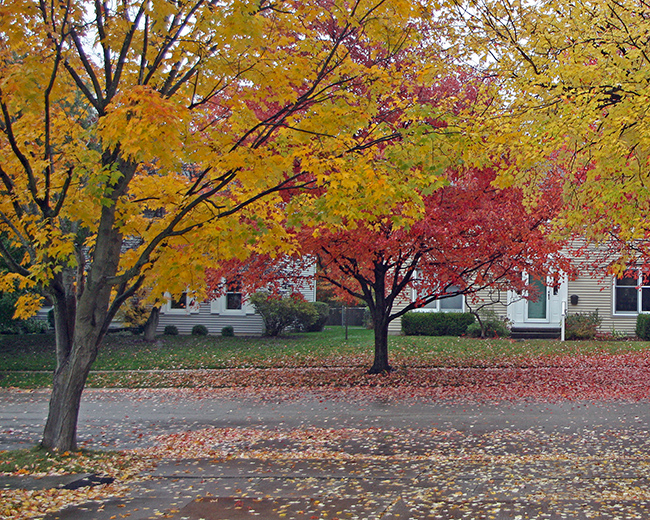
618	301
231	309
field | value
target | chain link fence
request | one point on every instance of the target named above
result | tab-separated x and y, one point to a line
348	316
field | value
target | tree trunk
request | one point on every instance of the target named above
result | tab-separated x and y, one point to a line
480	324
151	325
380	309
70	377
380	364
69	380
64	311
79	349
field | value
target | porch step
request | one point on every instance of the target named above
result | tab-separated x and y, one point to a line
535	333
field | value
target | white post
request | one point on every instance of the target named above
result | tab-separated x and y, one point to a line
564	313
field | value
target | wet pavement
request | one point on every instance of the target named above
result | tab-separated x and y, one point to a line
319	455
124	419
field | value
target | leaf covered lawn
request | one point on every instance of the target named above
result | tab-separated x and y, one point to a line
602	377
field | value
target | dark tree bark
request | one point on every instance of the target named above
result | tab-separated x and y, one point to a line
380	309
77	351
380	364
151	325
60	431
65	305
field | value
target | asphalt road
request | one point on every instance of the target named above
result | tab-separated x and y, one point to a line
131	418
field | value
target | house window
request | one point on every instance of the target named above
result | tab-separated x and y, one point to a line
183	304
451	304
632	294
232	302
233	297
179	304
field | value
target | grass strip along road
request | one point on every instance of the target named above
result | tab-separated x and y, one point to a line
315	359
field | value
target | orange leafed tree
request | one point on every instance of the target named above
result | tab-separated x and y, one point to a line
470	237
135	135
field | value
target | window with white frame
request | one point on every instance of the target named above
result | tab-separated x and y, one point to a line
182	304
451	304
232	302
632	293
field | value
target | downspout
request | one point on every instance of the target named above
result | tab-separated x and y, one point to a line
563	321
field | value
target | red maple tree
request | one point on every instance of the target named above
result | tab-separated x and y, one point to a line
472	236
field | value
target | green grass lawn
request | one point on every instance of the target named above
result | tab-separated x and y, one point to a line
27	361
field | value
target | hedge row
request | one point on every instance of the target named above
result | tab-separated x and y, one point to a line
436	323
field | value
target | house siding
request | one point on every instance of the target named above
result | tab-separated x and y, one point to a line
593	287
246	322
496	302
404	299
594	290
595	293
395	326
244	325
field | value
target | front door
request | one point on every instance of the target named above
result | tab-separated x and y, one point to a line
541	307
537	303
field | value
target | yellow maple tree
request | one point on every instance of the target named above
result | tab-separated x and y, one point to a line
140	139
570	87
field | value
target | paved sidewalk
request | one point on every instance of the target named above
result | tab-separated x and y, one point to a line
374	458
374	490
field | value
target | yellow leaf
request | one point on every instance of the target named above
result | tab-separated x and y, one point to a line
27	306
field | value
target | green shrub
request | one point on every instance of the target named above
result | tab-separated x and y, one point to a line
643	326
323	312
171	330
228	331
7	307
582	325
199	330
436	323
280	312
494	328
33	326
306	315
9	325
276	311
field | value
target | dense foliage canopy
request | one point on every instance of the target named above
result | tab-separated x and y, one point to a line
140	138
